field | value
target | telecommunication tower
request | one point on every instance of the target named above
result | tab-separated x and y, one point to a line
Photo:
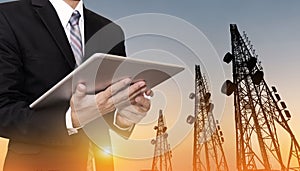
162	152
208	153
259	113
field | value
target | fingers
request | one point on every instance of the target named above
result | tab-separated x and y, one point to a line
130	114
116	87
137	89
80	91
130	101
134	112
127	95
149	93
142	103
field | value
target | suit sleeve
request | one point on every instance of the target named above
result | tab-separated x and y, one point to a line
17	121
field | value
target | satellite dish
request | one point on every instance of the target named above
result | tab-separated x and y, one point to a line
257	77
228	88
251	63
192	95
228	58
190	119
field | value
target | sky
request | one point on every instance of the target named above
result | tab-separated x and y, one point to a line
162	29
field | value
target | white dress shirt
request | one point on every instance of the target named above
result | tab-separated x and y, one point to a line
64	12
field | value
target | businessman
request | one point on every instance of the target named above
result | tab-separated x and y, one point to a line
41	41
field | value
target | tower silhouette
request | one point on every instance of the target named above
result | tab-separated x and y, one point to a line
259	113
162	152
208	153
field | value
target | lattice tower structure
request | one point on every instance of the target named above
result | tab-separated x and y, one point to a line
259	113
208	153
162	151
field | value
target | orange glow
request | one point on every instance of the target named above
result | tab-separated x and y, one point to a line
182	153
105	152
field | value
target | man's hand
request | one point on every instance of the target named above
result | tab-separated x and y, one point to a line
128	115
85	108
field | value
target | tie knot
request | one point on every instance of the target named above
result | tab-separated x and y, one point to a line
74	20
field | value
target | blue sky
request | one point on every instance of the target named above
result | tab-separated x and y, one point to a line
212	17
272	25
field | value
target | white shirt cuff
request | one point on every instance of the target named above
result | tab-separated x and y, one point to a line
116	125
71	130
69	124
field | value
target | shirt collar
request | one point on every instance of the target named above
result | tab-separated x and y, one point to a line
64	10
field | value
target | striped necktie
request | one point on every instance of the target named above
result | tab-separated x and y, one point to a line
75	37
76	45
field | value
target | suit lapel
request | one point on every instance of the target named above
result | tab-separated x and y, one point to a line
90	26
95	41
50	19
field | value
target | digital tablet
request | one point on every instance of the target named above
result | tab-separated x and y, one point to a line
101	70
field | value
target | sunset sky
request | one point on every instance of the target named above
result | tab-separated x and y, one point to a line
197	32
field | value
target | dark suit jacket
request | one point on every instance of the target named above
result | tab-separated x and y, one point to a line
34	56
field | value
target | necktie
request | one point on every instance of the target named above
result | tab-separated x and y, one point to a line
75	37
76	45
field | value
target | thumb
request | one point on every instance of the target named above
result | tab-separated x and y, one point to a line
80	91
